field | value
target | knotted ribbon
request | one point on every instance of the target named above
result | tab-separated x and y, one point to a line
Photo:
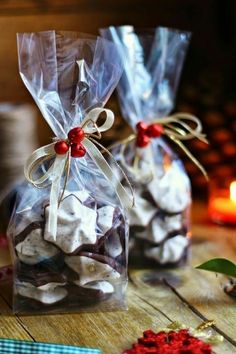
61	165
176	127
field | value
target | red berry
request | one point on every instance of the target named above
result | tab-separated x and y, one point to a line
142	140
155	130
61	147
148	333
141	126
77	150
166	343
76	135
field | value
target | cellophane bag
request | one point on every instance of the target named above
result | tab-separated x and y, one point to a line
160	221
85	266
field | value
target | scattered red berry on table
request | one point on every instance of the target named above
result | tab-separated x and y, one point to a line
174	342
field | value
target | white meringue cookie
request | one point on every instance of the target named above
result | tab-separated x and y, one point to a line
50	286
160	228
82	195
47	294
173	222
113	245
172	191
103	286
90	270
76	225
26	218
170	251
105	218
142	212
35	249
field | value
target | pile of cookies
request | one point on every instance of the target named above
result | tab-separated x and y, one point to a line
86	263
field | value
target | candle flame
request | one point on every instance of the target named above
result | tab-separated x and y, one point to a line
233	191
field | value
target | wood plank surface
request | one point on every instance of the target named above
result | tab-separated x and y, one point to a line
110	331
155	298
11	326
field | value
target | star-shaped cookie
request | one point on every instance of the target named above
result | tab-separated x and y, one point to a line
76	225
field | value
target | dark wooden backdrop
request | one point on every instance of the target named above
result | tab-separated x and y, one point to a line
201	17
208	79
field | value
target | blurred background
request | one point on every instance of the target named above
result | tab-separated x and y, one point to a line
207	87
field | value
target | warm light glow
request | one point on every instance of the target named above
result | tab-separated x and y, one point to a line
167	162
233	191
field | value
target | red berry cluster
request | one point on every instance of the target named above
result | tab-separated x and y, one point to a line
146	132
75	136
180	342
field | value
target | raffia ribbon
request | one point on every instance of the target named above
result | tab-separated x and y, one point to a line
177	128
61	166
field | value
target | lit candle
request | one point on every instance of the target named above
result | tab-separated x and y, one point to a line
222	209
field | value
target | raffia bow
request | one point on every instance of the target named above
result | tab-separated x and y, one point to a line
177	128
61	166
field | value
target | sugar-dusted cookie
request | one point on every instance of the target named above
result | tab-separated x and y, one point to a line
47	294
76	225
171	251
34	249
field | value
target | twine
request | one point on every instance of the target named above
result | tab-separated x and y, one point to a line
177	127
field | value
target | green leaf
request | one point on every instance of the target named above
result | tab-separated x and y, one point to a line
219	265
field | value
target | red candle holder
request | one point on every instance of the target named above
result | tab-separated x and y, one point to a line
222	202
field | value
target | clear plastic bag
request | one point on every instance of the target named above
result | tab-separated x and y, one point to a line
159	223
85	266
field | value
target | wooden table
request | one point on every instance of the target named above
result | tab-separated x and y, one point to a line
186	295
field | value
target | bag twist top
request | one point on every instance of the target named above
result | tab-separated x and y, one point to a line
153	61
70	78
